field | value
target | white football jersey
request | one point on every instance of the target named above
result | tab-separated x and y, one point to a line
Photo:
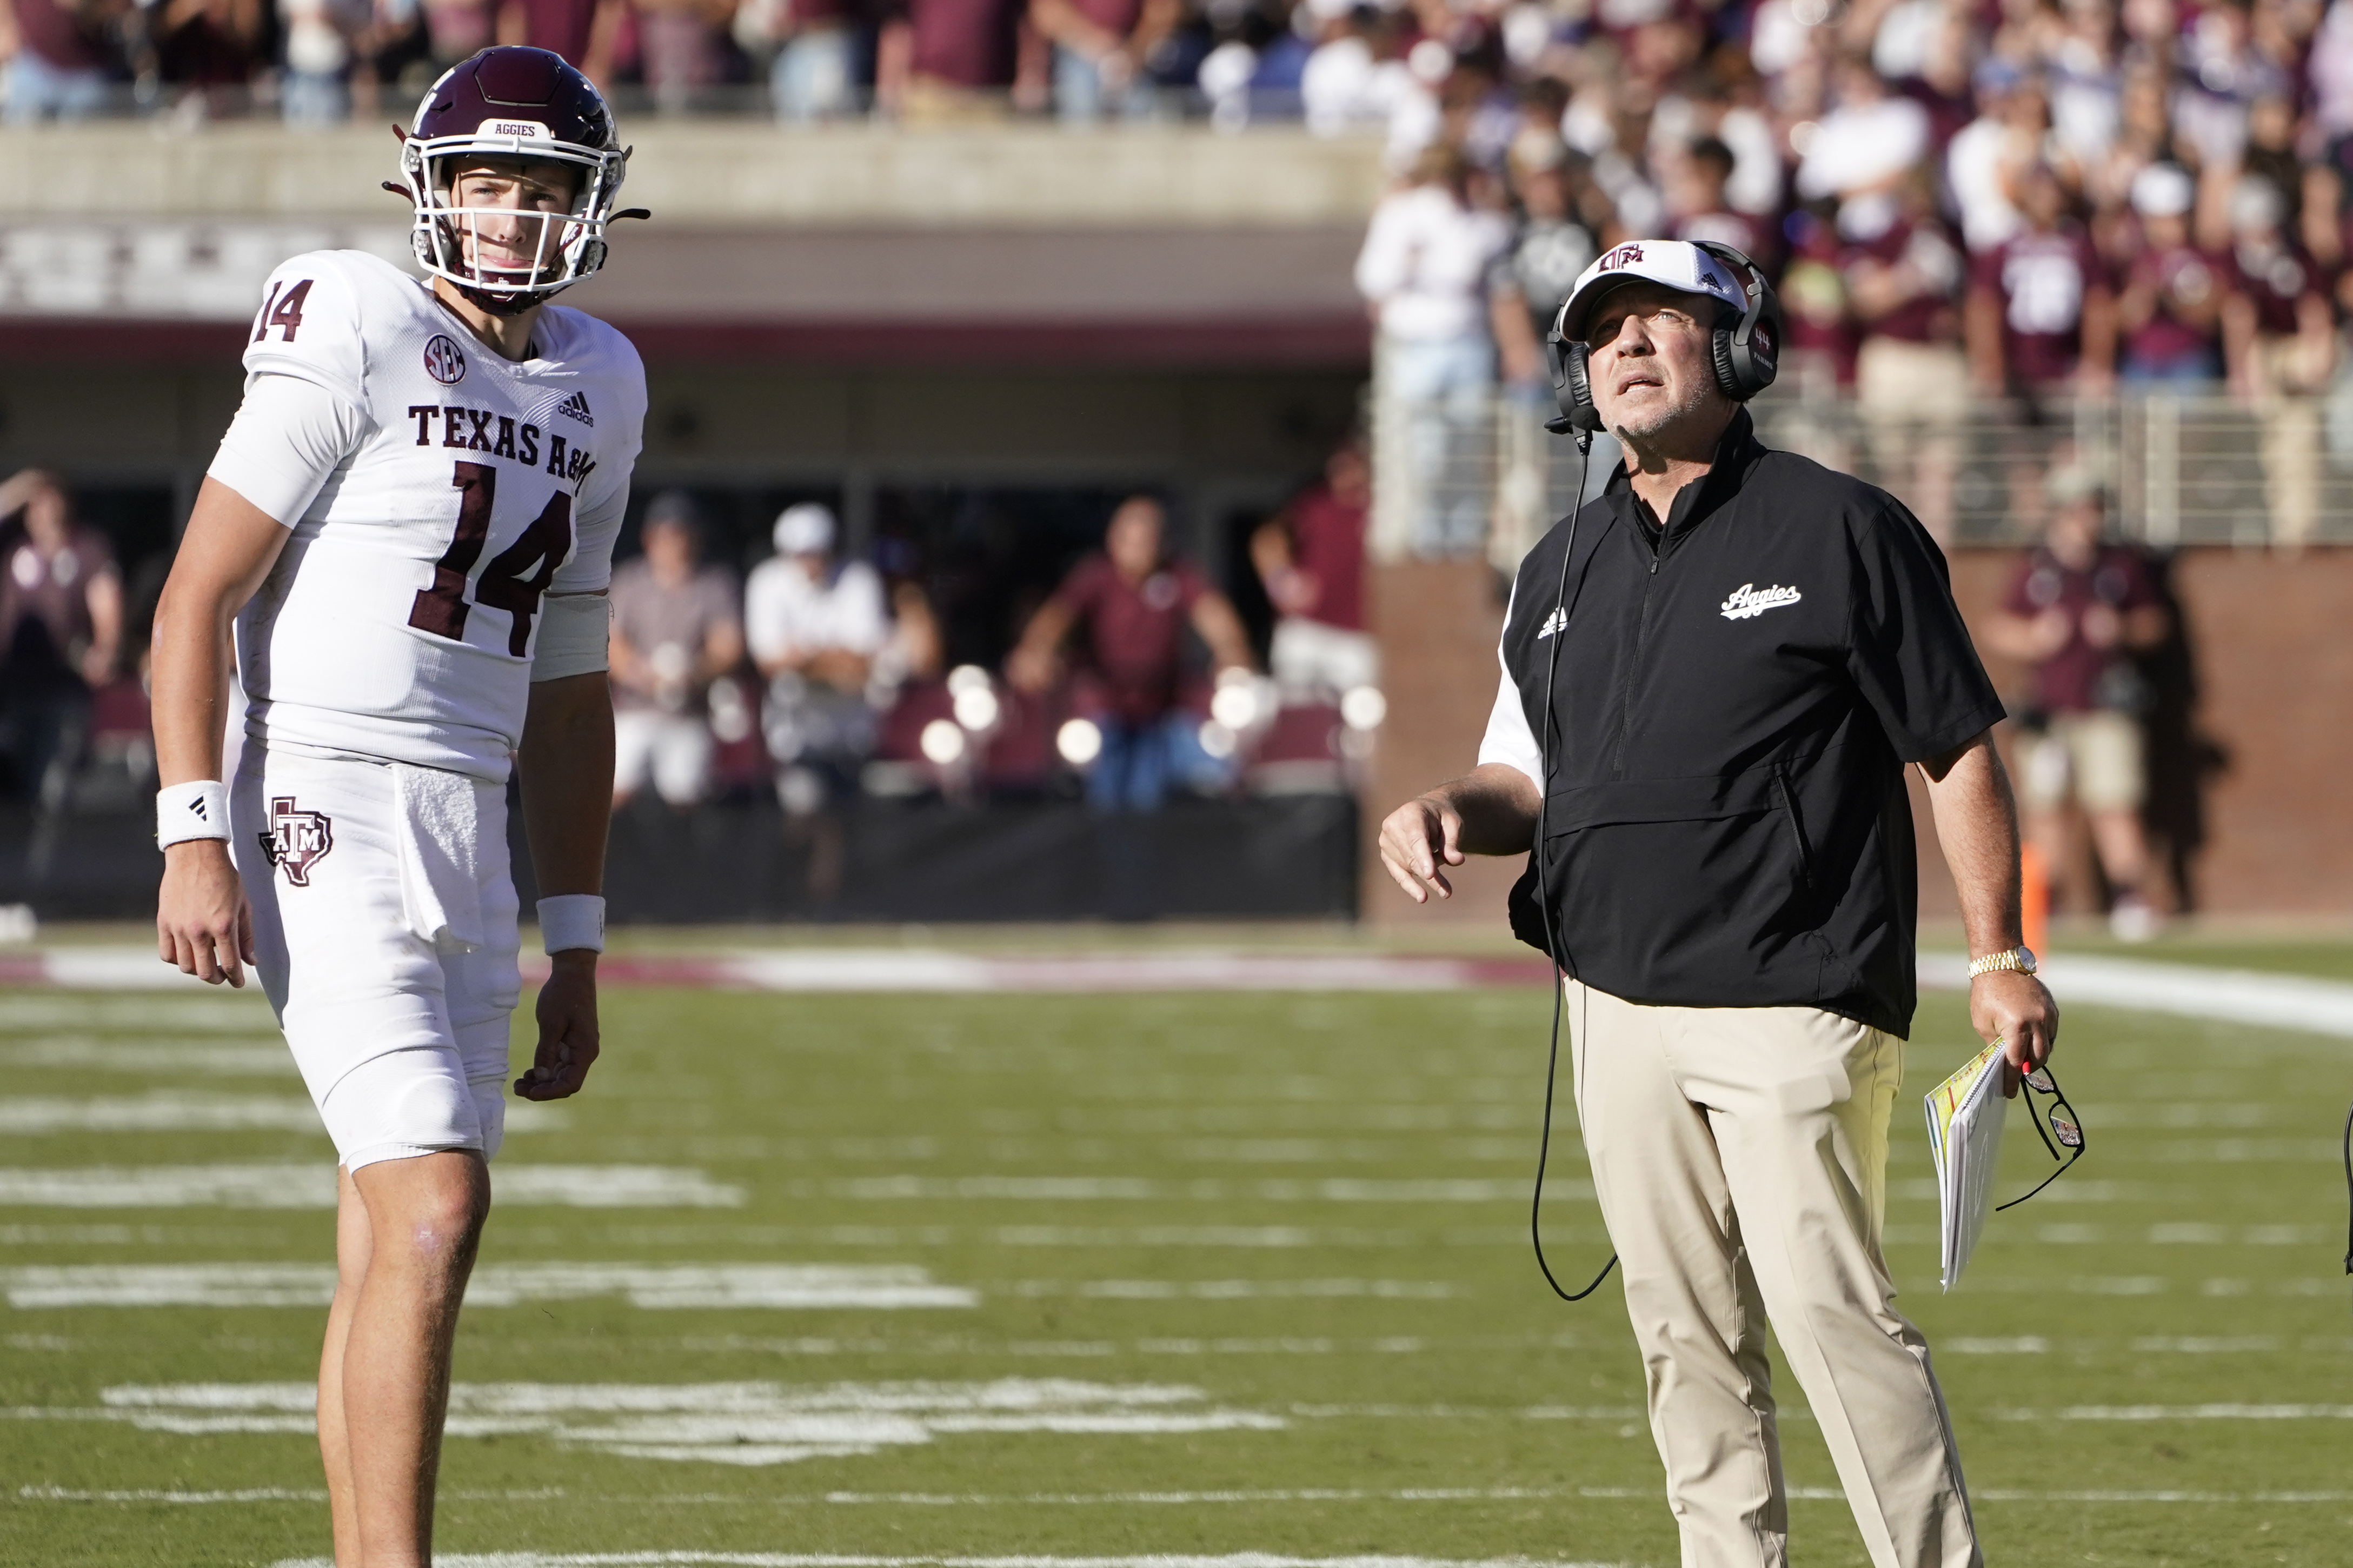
399	621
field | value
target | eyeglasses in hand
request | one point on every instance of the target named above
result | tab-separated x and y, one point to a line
2057	1120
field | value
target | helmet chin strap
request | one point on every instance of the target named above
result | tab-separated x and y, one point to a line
504	304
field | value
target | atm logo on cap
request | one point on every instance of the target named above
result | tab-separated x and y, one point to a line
1624	255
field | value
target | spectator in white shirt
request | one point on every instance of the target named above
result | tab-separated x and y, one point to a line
816	629
1991	155
1423	274
1868	144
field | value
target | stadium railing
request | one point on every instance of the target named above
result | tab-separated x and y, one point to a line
1481	476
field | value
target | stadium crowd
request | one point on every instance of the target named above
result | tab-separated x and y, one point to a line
2023	199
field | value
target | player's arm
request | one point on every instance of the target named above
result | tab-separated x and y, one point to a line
202	923
564	766
565	769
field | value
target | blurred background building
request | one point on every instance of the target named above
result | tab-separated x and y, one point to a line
933	286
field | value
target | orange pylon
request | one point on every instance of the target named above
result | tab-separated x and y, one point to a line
2033	899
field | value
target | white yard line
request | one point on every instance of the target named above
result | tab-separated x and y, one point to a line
735	1423
796	1560
311	1185
181	1111
805	1287
2234	995
2184	990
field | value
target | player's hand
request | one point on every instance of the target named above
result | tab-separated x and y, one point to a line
1419	838
2016	1010
203	923
567	1029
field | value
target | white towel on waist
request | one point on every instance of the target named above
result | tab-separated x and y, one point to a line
438	825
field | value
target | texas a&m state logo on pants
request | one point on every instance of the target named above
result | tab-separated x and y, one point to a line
296	840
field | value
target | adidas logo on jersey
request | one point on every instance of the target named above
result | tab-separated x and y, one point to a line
576	408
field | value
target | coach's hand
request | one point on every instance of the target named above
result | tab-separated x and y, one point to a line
567	1029
2016	1009
203	923
1419	838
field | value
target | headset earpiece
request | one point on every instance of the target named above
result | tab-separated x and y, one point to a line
1727	373
1572	382
1748	353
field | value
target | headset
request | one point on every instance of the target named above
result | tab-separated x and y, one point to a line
1747	352
1746	356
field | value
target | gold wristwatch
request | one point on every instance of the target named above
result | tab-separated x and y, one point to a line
2019	958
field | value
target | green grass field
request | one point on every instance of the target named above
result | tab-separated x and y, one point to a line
1118	1276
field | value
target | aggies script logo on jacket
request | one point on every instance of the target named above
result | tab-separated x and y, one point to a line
1748	599
296	840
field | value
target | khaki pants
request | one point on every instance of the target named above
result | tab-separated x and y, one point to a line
1740	1156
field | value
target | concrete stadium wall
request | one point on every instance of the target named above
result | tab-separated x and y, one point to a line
735	173
1165	245
2273	669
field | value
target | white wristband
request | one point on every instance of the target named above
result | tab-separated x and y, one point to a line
571	920
197	809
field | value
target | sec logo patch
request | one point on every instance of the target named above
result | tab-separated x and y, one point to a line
443	360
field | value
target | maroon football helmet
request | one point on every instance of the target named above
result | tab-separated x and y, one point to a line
511	102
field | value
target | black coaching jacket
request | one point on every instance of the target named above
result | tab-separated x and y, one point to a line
1737	694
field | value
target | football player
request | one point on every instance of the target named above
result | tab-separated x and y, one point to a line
408	532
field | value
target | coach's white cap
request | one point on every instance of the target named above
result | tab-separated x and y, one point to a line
804	530
1675	264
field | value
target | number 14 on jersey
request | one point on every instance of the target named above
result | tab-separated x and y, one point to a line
516	576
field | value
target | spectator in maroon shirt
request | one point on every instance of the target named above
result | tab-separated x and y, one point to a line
678	48
582	31
60	631
2282	346
1099	47
1310	557
2078	611
948	59
58	58
2172	304
2042	320
1903	275
1131	604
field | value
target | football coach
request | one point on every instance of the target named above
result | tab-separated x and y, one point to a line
1714	676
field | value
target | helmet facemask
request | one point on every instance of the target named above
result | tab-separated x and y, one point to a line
449	238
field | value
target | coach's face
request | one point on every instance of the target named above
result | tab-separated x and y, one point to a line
1652	364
